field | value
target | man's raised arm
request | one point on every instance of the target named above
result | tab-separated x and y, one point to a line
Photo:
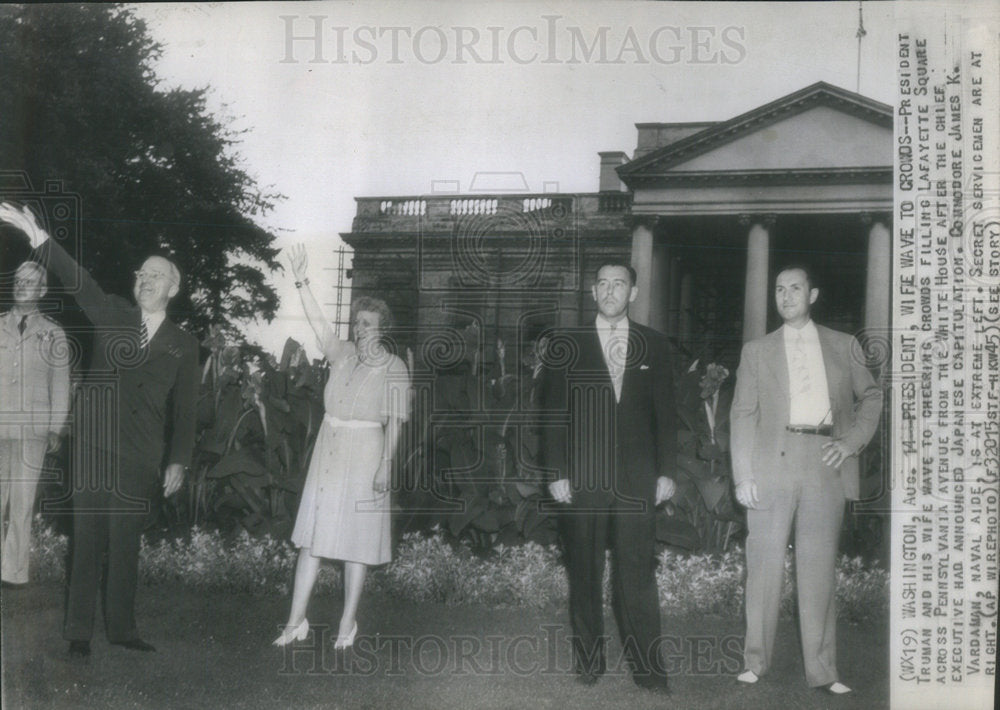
98	306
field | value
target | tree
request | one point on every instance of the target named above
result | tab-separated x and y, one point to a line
155	171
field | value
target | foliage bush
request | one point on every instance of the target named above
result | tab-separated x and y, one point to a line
702	514
432	568
205	560
49	552
257	424
702	583
862	590
479	481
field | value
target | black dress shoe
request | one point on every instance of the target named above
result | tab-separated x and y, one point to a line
589	674
135	645
79	649
653	683
13	585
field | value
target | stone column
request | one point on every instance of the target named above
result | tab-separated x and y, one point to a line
879	273
684	319
642	262
756	288
673	295
659	296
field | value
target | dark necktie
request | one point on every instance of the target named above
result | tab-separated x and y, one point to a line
143	334
22	324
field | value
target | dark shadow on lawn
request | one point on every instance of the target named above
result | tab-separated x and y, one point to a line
214	652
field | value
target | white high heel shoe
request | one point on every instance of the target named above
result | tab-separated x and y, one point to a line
289	635
345	642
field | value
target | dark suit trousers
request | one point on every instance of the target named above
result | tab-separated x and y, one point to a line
110	509
635	601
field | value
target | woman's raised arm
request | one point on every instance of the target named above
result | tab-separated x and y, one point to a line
333	347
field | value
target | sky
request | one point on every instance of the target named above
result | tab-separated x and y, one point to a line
353	99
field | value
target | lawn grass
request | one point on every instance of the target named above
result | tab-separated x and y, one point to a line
214	652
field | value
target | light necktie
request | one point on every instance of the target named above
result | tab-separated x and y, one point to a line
143	334
800	366
616	360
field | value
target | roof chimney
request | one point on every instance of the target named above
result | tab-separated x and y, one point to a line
609	177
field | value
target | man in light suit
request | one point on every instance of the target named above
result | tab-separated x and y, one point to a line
804	407
34	404
136	413
612	458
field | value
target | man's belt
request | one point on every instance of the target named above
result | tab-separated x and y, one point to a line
825	430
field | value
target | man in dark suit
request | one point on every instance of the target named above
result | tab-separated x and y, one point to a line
136	412
610	446
805	405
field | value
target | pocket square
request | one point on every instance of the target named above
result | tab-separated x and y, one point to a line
643	367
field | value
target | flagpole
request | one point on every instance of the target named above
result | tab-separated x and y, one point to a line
860	33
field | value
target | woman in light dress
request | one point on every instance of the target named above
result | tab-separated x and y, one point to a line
344	510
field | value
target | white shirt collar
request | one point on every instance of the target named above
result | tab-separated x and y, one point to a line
808	332
15	317
12	319
604	326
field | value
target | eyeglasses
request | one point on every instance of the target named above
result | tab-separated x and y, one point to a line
149	276
27	282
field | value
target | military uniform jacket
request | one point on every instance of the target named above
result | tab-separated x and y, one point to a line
34	377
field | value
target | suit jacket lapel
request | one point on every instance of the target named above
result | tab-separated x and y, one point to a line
834	373
10	322
777	361
777	364
160	342
632	360
597	352
31	327
156	343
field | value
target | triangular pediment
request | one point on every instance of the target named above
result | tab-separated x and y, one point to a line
819	129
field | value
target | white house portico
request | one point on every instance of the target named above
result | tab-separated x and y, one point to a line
807	177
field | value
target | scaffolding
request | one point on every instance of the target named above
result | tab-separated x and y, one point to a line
342	321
